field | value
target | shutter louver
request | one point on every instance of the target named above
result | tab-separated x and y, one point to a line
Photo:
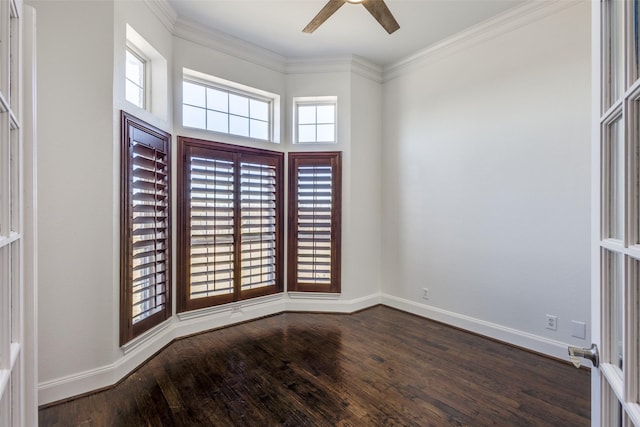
315	194
314	225
258	227
145	239
149	231
211	261
230	214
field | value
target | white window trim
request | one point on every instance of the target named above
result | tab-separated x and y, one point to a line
315	101
146	78
156	75
196	77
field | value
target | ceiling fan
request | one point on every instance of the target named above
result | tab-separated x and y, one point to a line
377	8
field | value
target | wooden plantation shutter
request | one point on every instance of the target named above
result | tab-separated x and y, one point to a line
211	228
230	245
145	265
315	196
258	227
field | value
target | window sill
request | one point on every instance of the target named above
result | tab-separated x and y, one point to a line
314	295
235	308
145	337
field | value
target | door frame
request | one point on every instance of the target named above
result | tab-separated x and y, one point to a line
615	394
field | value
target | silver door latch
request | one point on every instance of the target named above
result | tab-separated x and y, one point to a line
577	353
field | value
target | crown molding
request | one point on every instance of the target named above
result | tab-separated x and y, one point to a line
366	69
238	48
353	64
230	45
501	24
164	12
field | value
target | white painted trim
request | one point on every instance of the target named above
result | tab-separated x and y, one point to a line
76	384
298	303
313	295
498	25
105	376
230	45
234	308
241	49
353	64
503	23
254	53
29	362
366	69
5	374
184	325
146	337
164	12
511	336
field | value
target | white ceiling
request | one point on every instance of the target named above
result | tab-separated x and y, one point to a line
277	25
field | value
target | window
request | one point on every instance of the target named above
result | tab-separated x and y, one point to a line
146	71
135	90
315	120
225	111
145	261
229	223
315	194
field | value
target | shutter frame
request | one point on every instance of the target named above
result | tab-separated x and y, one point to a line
239	156
145	215
308	223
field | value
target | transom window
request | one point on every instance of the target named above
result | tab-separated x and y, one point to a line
315	120
135	79
146	76
226	110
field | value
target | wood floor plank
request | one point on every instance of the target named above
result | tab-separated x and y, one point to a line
378	367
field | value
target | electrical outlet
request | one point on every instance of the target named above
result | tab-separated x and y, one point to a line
425	293
552	322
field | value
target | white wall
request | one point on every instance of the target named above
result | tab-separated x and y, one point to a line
139	17
362	224
75	186
81	75
475	185
222	65
359	139
486	182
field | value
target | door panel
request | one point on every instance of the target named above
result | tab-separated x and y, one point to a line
616	214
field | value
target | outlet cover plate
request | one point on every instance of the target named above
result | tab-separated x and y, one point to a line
578	329
552	322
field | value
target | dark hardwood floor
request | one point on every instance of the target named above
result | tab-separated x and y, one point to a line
378	367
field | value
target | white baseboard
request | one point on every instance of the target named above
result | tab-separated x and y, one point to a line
186	324
511	336
322	303
75	384
183	325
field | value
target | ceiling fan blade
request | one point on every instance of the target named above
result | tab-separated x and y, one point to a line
324	14
383	15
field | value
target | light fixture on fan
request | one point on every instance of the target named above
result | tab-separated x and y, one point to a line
377	8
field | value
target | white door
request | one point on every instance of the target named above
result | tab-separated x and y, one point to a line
616	212
18	376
